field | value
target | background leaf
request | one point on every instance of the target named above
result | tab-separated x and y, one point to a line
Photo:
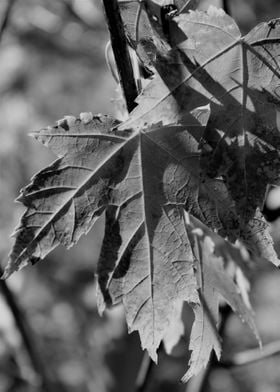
62	200
146	260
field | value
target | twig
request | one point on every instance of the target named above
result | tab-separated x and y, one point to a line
6	17
251	356
28	338
226	6
199	383
121	53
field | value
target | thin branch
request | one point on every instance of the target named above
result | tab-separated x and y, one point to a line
121	53
50	43
6	17
146	367
144	373
209	315
27	335
251	356
243	358
199	383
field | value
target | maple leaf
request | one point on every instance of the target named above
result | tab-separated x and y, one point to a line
213	282
240	78
144	29
142	179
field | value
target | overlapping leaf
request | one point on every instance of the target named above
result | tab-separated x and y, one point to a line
210	252
144	24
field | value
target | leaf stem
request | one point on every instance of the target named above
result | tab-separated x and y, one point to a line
226	6
72	12
251	356
121	53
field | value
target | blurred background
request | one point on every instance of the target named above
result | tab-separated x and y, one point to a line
52	64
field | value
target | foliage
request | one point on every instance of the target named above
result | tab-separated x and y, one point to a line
204	138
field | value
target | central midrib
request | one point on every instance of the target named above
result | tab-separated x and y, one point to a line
150	253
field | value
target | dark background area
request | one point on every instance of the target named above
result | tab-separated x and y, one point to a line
52	64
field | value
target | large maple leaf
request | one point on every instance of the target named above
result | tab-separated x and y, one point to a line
144	24
240	78
142	179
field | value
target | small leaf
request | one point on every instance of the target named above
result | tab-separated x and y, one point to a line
143	24
213	281
146	259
